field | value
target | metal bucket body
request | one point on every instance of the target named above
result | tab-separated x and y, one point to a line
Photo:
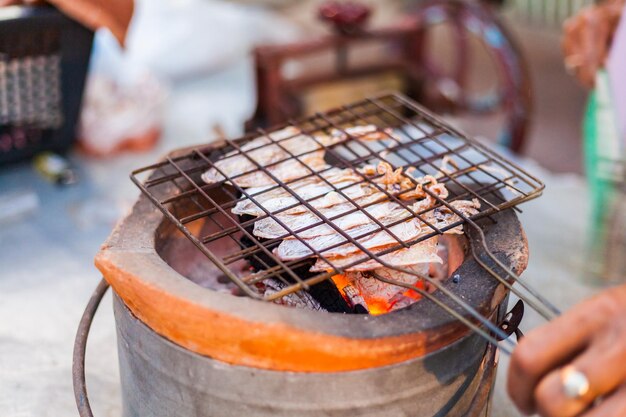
162	379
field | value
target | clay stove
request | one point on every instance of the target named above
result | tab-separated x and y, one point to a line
191	345
234	356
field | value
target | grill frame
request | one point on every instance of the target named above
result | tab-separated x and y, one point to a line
433	132
138	261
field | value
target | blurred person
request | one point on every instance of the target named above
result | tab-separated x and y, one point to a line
576	364
146	51
588	37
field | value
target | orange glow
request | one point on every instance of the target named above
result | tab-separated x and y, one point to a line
341	281
414	294
376	306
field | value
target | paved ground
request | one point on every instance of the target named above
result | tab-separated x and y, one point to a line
46	260
555	135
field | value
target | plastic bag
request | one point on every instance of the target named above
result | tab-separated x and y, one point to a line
604	164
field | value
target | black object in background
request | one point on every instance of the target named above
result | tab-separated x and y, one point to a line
44	56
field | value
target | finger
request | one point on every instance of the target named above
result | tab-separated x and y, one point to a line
602	34
537	354
572	29
115	15
604	365
584	36
592	44
551	346
612	406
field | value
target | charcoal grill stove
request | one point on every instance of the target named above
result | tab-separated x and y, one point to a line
195	338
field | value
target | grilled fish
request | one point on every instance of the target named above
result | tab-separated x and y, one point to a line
422	252
333	205
276	151
292	249
330	244
272	197
440	217
314	193
346	216
335	186
317	194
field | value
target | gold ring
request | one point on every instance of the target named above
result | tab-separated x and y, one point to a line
575	383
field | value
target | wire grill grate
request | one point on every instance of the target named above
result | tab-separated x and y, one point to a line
411	137
423	148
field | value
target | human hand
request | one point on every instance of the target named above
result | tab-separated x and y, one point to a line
115	15
587	38
591	338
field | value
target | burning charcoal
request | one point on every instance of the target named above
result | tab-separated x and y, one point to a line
330	298
381	297
301	299
355	299
325	293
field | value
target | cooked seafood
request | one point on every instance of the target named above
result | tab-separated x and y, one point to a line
333	205
327	244
291	249
318	195
331	189
307	188
245	173
269	150
422	252
349	218
336	215
442	217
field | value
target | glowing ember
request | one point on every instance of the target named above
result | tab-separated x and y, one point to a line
341	281
414	294
378	305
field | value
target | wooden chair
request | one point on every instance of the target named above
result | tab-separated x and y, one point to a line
290	77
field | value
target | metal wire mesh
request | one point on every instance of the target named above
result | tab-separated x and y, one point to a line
411	137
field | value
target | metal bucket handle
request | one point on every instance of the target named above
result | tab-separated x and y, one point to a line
80	346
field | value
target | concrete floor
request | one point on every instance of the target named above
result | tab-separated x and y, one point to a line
47	276
555	139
